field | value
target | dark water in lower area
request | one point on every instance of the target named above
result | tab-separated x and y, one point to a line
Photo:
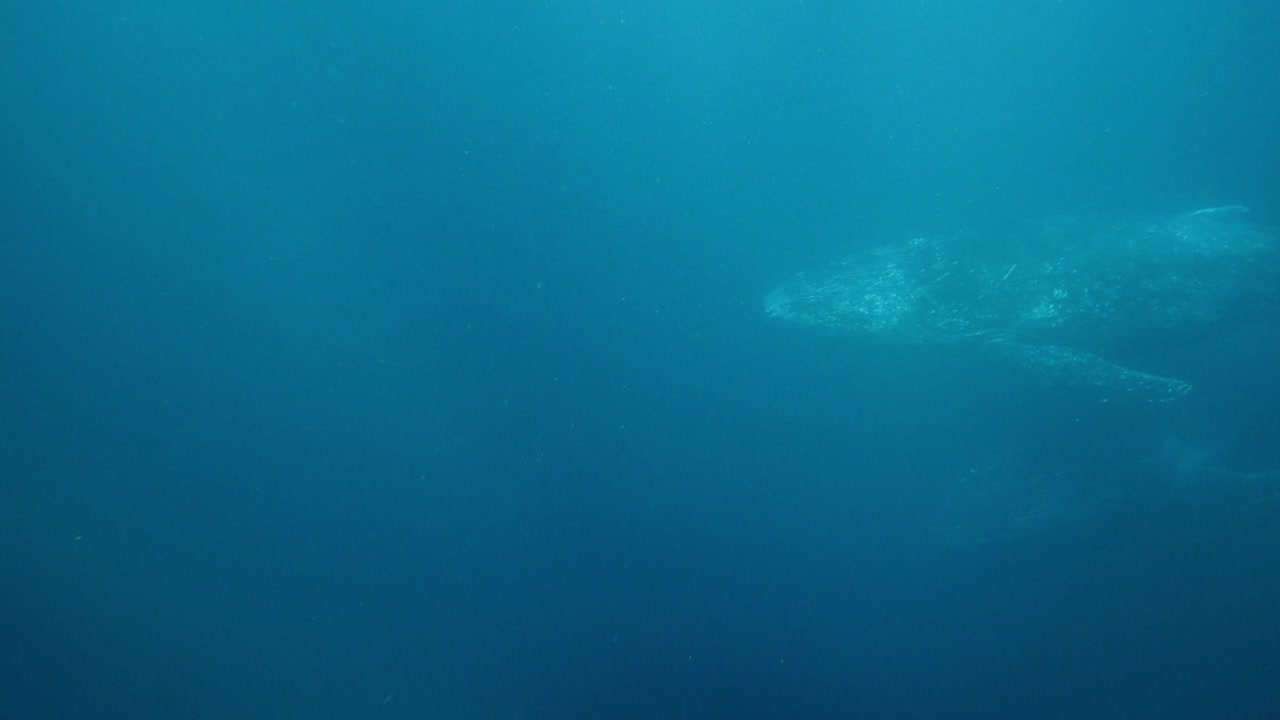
410	361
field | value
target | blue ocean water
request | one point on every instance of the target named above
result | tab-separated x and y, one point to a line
409	360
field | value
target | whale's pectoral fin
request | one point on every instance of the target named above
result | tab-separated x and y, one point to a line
1067	366
1225	212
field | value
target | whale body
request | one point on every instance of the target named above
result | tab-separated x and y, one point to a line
1078	304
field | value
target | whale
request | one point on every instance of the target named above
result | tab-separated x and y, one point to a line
1079	304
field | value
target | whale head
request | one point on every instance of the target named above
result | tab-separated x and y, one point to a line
853	296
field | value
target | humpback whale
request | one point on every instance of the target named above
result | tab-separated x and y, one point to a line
1082	305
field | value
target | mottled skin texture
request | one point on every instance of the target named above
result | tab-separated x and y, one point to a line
1073	302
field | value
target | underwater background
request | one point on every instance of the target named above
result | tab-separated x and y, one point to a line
409	360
